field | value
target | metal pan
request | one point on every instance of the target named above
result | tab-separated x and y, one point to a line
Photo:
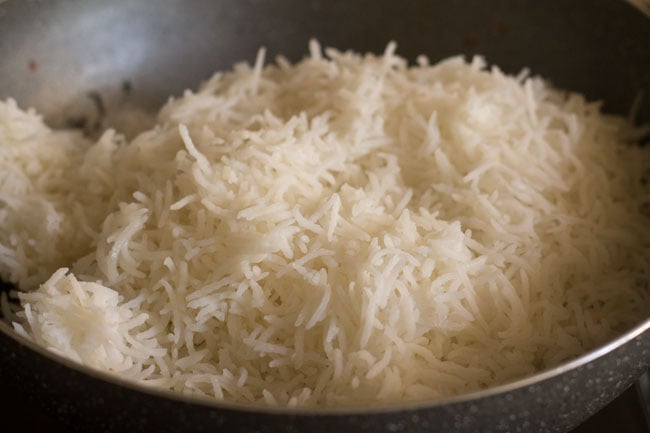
62	56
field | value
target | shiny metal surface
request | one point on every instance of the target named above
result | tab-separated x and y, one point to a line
61	56
56	52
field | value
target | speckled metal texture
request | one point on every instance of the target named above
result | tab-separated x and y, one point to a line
55	53
555	404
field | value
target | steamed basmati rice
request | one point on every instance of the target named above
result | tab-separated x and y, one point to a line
345	230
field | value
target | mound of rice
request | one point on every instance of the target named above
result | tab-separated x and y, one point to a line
345	230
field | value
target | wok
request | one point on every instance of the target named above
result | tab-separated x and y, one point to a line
72	58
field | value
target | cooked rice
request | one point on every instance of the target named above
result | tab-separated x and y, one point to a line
345	230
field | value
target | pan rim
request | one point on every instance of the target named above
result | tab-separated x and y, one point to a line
348	410
380	408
